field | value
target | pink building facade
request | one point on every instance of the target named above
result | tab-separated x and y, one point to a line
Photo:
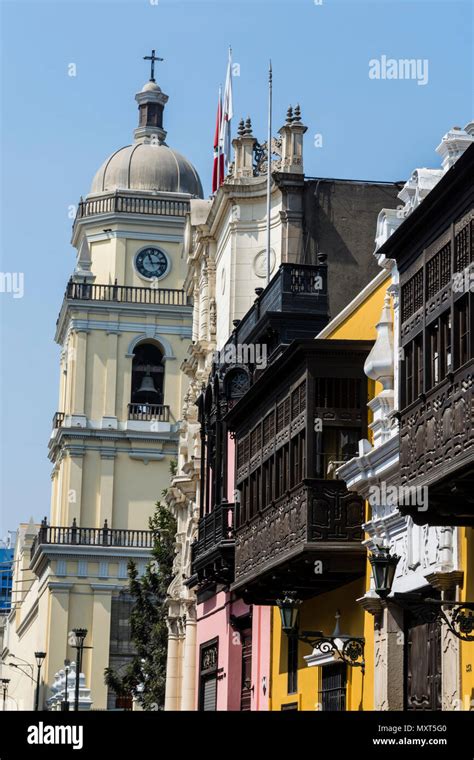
233	650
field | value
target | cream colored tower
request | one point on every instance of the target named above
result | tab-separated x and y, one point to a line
124	329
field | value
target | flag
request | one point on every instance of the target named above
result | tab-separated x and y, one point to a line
227	113
218	167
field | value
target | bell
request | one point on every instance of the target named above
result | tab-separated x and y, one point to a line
147	385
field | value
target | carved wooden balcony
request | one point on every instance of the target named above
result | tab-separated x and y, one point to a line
437	451
212	554
307	541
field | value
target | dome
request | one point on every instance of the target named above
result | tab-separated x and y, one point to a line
148	167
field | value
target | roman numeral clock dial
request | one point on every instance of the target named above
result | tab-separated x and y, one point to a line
151	263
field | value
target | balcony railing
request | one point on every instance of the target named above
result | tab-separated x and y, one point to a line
149	412
116	203
85	291
75	536
296	288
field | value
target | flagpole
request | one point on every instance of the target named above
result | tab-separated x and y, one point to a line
269	168
219	141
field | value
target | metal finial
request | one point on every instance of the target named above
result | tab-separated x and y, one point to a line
248	126
241	128
297	116
289	115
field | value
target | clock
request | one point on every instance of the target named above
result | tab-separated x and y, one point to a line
151	263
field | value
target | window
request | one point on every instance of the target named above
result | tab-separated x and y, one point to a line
462	331
292	667
246	684
412	295
413	370
440	350
338	393
332	695
337	445
208	661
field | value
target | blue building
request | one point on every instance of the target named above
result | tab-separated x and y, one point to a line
6	578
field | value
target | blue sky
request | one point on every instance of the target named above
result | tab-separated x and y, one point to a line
57	130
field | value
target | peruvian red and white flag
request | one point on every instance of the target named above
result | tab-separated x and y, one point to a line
218	166
227	114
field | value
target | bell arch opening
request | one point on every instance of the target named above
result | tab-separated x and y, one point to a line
147	375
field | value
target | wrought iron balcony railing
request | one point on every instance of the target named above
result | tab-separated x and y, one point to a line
76	536
85	291
149	412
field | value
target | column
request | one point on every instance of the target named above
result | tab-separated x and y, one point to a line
71	496
172	667
100	630
56	643
78	361
106	496
109	419
188	697
388	662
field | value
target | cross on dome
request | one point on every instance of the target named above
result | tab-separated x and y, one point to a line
152	58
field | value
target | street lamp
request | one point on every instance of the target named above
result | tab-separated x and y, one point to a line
65	702
289	610
459	617
350	649
5	682
80	634
39	656
384	565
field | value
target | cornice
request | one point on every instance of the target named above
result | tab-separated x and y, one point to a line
181	316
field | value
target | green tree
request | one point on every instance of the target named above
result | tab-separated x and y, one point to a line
144	677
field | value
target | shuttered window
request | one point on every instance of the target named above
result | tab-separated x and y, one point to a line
209	693
208	661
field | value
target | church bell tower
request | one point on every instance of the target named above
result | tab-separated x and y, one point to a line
124	328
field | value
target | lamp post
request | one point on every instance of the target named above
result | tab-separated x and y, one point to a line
39	656
80	634
5	682
65	702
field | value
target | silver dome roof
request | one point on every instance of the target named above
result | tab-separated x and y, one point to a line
148	167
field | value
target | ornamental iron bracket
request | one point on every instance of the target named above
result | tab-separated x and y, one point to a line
459	617
349	649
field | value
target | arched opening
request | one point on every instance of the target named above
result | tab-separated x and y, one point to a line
147	375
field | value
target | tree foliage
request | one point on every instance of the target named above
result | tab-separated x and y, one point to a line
144	677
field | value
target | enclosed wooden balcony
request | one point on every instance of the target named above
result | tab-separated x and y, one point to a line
308	541
298	528
212	554
437	452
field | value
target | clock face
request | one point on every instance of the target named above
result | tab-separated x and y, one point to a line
151	262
